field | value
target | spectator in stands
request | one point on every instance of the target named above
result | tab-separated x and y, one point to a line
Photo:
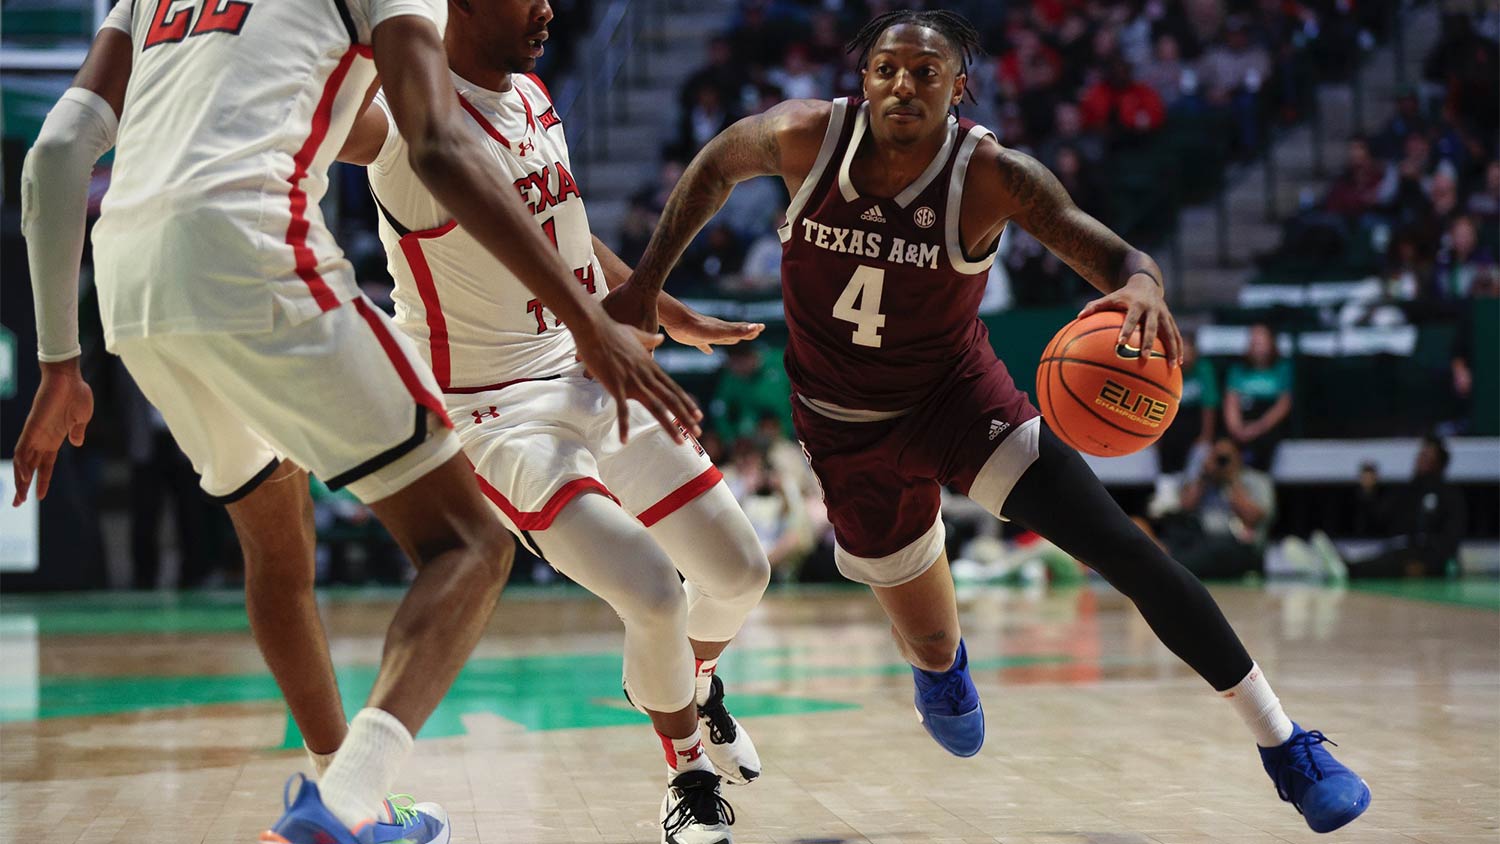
760	34
1408	265
1231	75
715	254
1068	130
798	78
761	273
751	385
1366	185
1080	182
1165	69
1121	107
826	47
1484	203
1406	122
1258	398
708	116
720	73
1464	64
1226	516
1464	269
644	209
1422	521
1188	441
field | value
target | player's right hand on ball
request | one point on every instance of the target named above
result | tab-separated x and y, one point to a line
618	356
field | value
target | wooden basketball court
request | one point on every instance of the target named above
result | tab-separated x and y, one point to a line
150	718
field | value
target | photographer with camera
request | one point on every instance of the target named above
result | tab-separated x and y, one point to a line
1225	517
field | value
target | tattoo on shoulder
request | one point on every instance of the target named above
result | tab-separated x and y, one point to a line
1044	209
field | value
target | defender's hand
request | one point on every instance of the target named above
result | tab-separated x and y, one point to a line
619	358
631	305
705	332
62	409
1145	310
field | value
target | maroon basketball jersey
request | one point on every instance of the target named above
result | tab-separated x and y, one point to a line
881	303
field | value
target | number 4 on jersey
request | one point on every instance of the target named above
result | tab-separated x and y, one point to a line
860	304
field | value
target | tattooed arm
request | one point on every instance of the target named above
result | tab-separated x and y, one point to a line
1006	185
783	141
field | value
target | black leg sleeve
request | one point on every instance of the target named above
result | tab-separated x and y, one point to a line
1060	498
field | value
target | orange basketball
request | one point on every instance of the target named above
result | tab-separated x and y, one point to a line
1105	399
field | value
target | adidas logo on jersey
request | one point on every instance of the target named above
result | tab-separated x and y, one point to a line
873	215
997	428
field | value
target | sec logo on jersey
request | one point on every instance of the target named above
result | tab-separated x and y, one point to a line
925	217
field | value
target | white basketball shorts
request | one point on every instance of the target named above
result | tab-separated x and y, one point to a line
538	444
344	395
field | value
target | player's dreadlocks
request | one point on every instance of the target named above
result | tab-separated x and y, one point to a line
953	26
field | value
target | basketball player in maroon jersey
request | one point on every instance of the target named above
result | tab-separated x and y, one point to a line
897	209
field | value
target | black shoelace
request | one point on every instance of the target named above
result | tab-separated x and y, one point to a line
699	802
721	729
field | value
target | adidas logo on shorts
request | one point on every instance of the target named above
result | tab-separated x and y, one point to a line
873	215
997	428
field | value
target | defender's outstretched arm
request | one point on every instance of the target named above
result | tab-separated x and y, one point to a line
54	207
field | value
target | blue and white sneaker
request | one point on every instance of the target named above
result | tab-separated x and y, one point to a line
948	706
402	821
1307	776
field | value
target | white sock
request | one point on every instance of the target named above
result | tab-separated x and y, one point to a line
703	681
320	761
685	754
1259	708
366	765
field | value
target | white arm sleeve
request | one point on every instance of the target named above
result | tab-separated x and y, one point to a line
54	203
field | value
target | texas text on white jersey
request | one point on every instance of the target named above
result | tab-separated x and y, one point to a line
477	323
233	113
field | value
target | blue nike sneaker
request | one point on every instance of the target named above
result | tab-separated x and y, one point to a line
1307	776
948	706
402	821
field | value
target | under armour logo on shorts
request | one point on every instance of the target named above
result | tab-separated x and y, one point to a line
481	415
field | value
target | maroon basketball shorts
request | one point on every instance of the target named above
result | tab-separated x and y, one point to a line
882	478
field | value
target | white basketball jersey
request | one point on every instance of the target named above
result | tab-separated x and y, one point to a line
477	323
233	113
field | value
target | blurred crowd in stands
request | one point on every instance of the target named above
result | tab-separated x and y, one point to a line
1135	104
1418	202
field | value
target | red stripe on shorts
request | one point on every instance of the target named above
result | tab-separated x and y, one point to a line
398	359
437	325
542	519
681	496
297	229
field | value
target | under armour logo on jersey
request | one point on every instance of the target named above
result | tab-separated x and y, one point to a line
525	148
481	415
873	215
997	428
925	217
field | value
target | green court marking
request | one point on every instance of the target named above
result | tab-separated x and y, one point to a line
540	693
1475	593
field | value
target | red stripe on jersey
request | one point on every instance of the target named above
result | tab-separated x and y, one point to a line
437	325
483	123
296	231
542	519
681	496
398	359
538	80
